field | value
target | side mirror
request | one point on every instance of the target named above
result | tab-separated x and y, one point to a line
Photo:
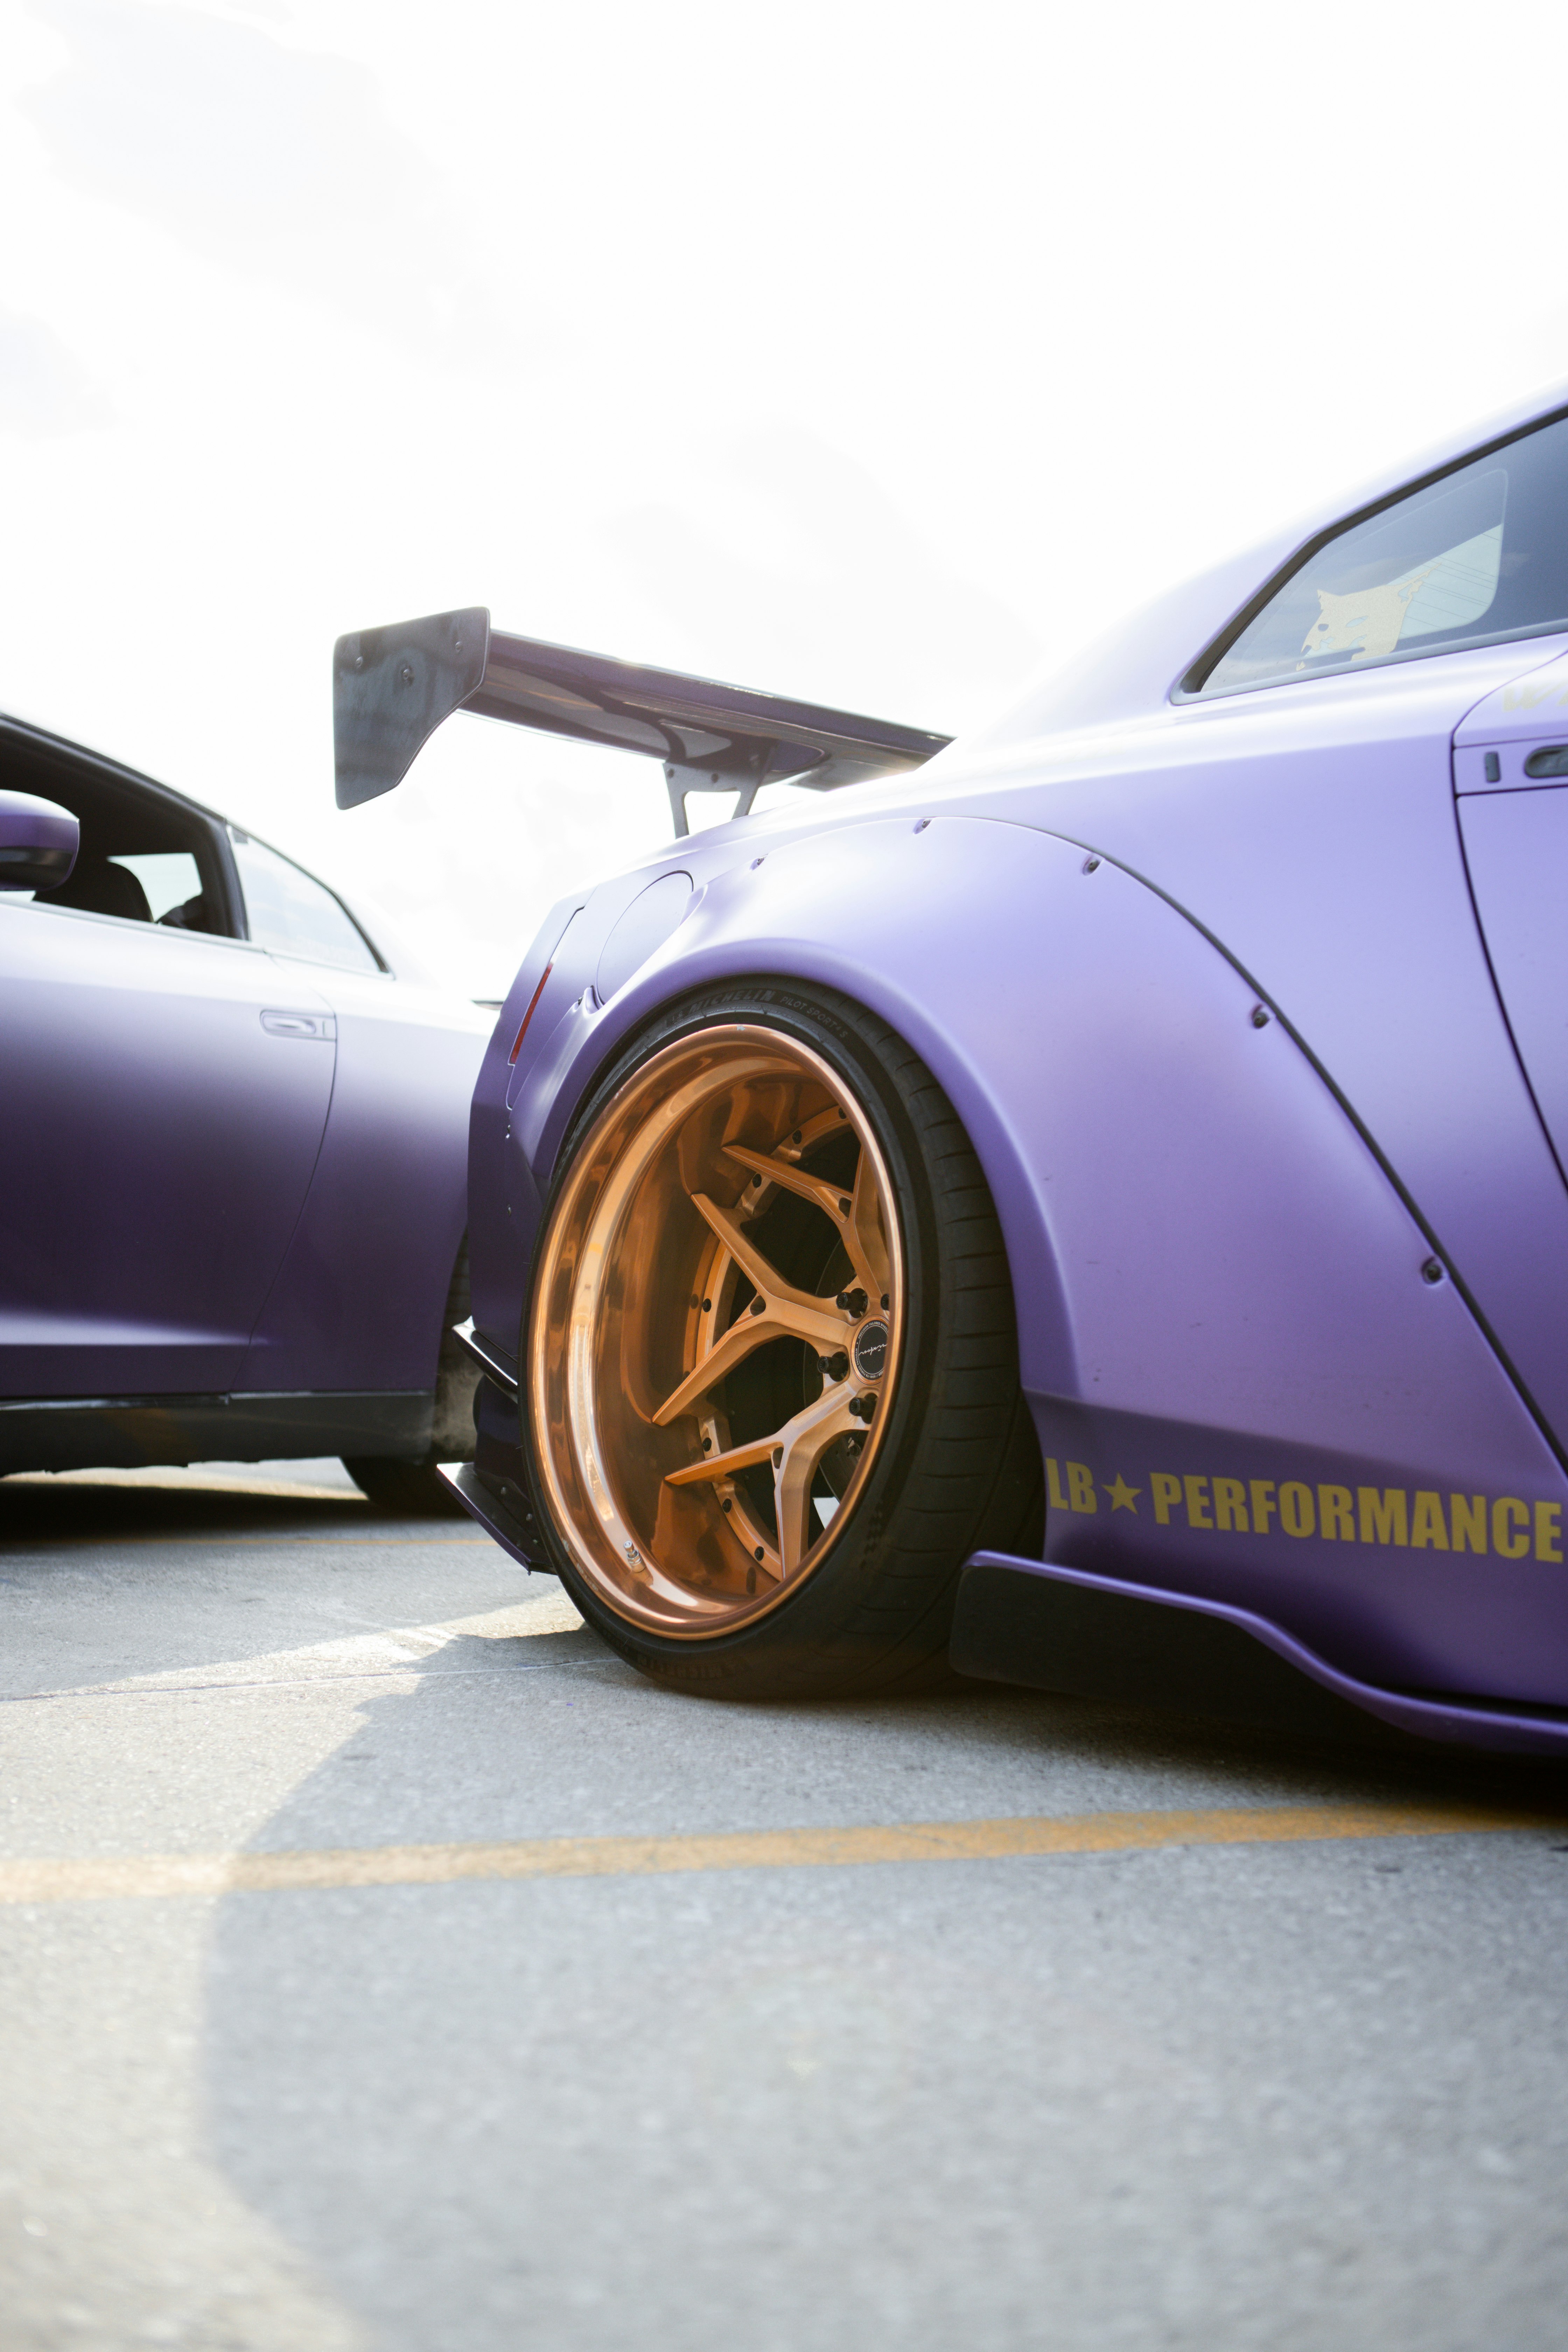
39	843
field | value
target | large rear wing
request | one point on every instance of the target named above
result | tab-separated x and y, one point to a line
391	688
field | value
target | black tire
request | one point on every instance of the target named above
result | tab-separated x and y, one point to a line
412	1490
416	1487
957	1465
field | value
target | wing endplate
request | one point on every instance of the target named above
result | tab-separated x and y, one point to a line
391	688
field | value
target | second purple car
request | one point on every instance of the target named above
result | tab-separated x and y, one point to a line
1087	1202
232	1131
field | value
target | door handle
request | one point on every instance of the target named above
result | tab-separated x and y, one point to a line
300	1024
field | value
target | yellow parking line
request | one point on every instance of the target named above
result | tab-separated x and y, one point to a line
59	1881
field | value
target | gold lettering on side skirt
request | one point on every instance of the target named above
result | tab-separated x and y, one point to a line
1298	1515
1081	1495
1426	1524
1381	1511
1230	1505
1468	1516
1373	1514
1336	1514
1166	1490
1511	1523
1080	1486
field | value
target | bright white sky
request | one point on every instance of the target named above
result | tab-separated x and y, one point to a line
861	350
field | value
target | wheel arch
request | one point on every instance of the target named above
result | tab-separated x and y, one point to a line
1194	1225
721	943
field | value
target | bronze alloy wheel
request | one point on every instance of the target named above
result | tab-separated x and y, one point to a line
717	1330
771	1399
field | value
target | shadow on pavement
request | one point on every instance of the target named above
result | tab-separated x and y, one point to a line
34	1515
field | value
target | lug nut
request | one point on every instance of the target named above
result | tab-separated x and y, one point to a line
834	1367
852	1302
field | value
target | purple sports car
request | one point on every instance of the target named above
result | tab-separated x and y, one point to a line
232	1138
1086	1204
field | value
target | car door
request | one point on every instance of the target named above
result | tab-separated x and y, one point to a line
358	1303
165	1091
1510	785
1294	795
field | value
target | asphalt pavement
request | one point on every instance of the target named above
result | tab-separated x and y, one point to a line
383	1964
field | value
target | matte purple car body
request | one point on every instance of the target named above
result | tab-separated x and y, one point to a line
1255	1010
233	1176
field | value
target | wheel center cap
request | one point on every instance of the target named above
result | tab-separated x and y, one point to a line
872	1351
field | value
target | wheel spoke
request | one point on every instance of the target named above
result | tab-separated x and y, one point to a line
723	1465
741	1340
801	1445
815	1320
795	1179
856	1215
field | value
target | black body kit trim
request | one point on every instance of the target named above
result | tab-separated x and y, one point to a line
136	1432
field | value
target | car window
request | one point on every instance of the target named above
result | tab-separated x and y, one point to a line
170	882
291	913
1479	556
144	856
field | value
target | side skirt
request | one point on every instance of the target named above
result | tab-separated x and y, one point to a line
1061	1629
135	1432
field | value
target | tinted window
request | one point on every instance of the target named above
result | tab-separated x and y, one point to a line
1480	555
293	914
170	883
144	857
